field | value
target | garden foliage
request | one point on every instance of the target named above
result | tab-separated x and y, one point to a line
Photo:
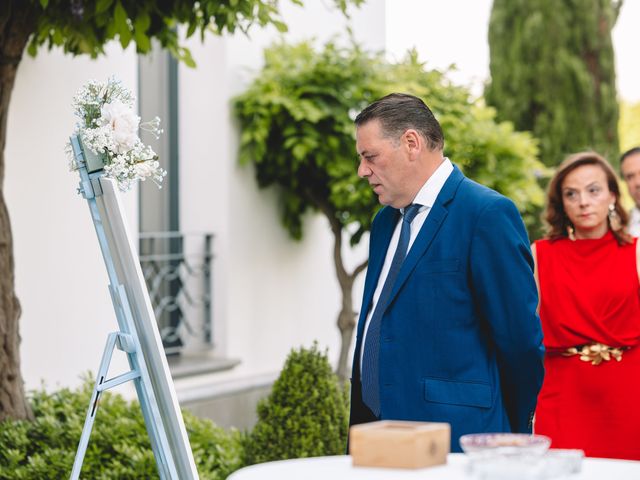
305	415
119	447
297	130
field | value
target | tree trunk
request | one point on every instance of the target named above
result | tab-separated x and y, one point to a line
346	325
347	316
17	22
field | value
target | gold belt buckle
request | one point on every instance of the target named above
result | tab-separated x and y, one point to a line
595	353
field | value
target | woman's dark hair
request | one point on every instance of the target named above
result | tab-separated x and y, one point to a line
554	214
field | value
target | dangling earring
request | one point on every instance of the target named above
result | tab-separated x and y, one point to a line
614	219
571	233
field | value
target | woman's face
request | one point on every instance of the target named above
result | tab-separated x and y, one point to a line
586	198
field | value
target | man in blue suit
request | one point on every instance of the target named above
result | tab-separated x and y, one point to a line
448	329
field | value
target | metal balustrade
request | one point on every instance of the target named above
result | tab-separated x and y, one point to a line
177	268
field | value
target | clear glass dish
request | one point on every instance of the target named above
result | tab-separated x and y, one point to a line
512	456
504	444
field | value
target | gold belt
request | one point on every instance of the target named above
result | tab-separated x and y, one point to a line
595	352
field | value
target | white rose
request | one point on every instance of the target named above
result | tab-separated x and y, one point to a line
145	169
124	124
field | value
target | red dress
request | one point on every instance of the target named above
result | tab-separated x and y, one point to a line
589	292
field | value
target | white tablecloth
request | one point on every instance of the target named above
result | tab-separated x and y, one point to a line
339	467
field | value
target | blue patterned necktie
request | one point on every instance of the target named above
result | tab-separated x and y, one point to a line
370	359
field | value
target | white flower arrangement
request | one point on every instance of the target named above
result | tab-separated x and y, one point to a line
109	128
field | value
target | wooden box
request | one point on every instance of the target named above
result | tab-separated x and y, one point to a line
399	444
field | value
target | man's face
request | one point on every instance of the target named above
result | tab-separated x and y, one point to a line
631	174
384	162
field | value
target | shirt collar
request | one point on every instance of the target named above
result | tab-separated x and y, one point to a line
429	192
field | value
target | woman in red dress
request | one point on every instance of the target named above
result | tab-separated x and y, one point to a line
587	274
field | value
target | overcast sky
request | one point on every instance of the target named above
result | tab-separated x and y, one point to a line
455	31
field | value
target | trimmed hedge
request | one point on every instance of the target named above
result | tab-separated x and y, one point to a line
119	447
305	415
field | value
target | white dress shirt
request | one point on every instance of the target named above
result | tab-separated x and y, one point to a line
425	197
634	222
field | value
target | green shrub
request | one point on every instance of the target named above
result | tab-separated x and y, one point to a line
305	415
119	446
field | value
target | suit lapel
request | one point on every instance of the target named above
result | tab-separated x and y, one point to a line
388	219
429	229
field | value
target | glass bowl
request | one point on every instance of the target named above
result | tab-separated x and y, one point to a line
504	445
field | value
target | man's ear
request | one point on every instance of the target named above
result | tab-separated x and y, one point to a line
412	141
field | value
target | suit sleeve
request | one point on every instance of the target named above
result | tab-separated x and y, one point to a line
506	297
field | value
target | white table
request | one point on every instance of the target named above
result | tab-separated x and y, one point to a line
339	468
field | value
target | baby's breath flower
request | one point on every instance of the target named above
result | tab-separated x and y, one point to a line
109	127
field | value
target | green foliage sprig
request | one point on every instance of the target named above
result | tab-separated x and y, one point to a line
85	27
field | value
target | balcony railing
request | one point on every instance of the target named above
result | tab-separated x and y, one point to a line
177	268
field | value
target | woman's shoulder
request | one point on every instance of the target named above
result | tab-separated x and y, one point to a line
543	243
548	247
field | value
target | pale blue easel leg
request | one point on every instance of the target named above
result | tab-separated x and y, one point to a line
101	384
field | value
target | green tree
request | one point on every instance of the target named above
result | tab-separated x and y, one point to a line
83	28
552	73
305	415
297	130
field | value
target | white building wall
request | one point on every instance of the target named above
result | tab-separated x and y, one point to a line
270	293
60	276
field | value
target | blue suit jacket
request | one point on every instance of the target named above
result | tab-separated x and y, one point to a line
460	339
